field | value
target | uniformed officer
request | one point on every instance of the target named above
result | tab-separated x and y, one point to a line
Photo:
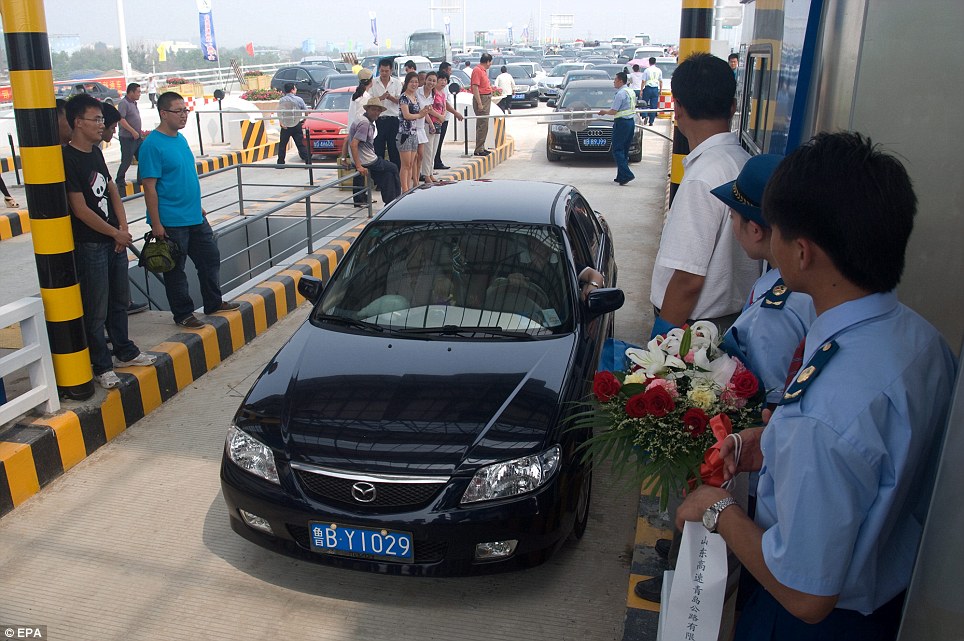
624	126
843	461
774	319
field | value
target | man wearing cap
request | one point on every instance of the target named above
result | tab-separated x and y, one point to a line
361	142
291	113
774	319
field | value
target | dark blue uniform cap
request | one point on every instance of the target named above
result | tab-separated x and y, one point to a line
745	194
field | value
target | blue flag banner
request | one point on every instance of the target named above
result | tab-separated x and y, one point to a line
209	46
374	31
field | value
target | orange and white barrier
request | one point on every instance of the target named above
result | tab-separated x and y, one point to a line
665	102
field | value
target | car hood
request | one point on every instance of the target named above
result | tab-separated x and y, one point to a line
321	125
373	404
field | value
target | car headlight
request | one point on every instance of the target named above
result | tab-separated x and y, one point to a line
559	129
251	455
343	131
511	478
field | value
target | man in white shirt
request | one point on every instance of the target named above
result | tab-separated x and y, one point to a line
387	88
701	272
652	87
506	85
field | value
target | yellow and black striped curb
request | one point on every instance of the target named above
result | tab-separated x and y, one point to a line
478	166
33	452
14	223
642	616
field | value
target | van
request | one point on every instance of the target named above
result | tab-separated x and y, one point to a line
421	64
645	53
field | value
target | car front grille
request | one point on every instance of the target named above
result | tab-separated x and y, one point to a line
332	489
595	133
425	551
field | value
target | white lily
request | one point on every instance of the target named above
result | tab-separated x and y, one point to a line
720	369
654	361
704	334
671	343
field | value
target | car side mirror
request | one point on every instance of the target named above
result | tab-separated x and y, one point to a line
550	103
311	288
602	301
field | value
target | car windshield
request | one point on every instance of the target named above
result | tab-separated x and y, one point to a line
335	101
456	278
587	99
667	68
339	81
561	70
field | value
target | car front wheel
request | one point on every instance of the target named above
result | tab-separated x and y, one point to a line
551	156
582	506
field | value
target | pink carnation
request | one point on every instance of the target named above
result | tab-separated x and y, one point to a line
731	399
669	386
689	358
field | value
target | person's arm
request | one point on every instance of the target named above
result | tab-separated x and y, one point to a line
452	110
119	211
682	292
87	216
151	203
590	279
745	539
355	156
124	124
476	99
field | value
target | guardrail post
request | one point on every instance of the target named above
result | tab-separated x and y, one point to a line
370	193
465	123
311	249
200	141
240	194
13	158
221	119
31	81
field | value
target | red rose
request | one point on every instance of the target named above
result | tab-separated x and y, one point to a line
697	420
744	384
636	406
605	386
658	402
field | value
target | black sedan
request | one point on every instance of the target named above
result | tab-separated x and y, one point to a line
308	80
526	92
416	422
587	135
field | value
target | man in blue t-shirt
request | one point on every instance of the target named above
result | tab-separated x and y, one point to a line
172	194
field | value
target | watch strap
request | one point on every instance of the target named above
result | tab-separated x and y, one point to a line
718	508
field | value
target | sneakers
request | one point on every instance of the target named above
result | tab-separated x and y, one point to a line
192	322
141	359
135	308
107	380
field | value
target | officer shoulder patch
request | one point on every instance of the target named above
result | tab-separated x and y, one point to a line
776	298
808	373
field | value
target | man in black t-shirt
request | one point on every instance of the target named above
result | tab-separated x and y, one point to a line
100	239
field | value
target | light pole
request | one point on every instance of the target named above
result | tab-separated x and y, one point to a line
122	27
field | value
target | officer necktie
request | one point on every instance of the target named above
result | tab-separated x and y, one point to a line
795	363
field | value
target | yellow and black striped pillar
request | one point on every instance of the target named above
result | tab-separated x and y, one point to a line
695	31
35	110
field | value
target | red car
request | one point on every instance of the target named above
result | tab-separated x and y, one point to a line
322	135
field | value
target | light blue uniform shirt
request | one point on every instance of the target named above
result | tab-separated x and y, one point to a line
171	161
768	336
848	467
622	101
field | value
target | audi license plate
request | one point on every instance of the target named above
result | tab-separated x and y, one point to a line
323	144
595	142
362	543
518	96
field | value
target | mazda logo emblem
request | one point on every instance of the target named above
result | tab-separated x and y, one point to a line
363	492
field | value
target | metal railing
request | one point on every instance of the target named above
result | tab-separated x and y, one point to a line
258	240
34	357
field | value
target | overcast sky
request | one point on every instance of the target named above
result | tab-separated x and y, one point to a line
289	22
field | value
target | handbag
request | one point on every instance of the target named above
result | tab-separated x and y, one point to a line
159	255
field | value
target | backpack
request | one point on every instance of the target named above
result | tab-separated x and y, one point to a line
159	255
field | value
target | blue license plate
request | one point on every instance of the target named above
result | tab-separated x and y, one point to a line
595	142
551	92
363	543
323	144
518	96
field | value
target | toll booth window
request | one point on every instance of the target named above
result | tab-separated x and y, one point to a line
755	102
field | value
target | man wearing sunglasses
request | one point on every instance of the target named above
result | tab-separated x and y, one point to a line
172	194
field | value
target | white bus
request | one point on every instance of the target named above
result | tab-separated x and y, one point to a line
431	43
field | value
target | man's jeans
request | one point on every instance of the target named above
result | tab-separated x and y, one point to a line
196	241
651	101
623	129
105	294
129	148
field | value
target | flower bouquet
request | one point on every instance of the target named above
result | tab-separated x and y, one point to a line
257	95
666	415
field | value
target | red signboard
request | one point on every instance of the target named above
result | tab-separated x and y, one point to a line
118	83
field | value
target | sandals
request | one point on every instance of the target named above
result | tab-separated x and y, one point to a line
11	203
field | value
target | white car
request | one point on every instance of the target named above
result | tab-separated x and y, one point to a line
534	69
549	86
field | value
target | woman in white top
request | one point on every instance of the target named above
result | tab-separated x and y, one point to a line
426	153
504	82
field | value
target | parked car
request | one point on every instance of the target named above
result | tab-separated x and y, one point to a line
308	80
552	60
549	86
338	81
526	91
324	61
534	69
611	69
326	131
582	74
667	65
416	423
99	91
625	54
421	64
596	139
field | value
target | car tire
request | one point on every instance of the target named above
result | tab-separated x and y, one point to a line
637	157
551	156
583	501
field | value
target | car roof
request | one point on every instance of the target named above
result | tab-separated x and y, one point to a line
510	201
590	84
587	72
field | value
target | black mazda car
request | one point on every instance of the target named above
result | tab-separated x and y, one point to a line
416	423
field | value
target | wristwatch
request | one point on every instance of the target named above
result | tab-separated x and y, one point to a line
712	513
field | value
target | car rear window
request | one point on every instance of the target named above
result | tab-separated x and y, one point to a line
416	276
335	102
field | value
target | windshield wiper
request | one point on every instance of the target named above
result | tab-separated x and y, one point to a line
350	322
455	330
